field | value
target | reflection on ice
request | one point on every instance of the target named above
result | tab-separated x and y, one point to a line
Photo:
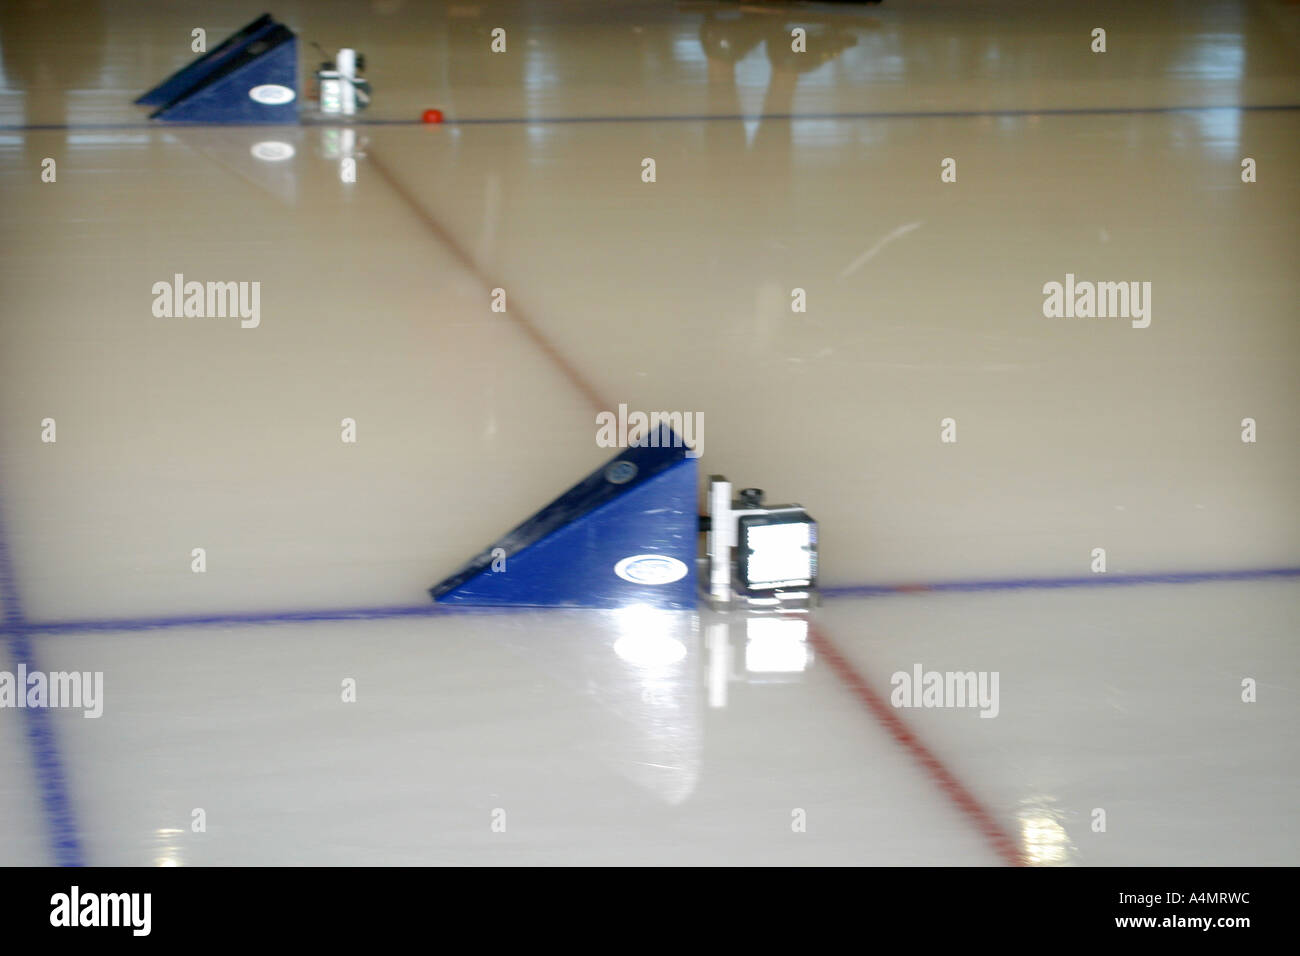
777	645
774	648
643	638
169	854
1042	834
658	741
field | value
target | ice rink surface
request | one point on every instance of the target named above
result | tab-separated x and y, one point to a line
621	737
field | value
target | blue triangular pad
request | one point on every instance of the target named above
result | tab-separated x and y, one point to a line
259	84
626	534
188	77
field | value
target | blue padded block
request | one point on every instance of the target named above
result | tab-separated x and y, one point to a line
189	76
243	89
567	553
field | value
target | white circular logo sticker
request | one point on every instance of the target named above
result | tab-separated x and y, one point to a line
272	94
651	569
272	151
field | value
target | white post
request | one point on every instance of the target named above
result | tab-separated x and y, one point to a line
347	65
722	538
719	647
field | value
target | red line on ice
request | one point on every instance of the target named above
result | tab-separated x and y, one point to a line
953	789
515	314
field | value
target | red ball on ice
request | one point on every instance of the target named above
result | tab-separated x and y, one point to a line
432	116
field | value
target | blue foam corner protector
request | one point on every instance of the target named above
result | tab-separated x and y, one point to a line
627	534
256	83
189	76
